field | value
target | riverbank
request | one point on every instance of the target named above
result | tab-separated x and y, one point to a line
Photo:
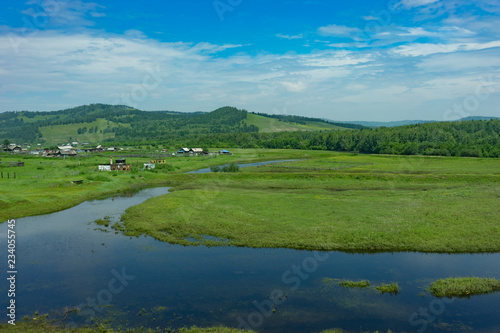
341	202
30	327
45	185
324	201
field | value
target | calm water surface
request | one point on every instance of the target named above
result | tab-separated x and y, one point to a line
64	260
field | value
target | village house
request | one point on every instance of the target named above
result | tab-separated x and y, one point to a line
183	151
162	161
196	151
13	148
119	165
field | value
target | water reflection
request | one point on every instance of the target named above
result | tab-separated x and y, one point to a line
64	262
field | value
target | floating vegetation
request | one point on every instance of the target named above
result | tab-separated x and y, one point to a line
391	288
464	287
104	221
355	284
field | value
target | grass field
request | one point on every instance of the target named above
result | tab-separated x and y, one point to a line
44	185
394	204
60	134
322	201
266	125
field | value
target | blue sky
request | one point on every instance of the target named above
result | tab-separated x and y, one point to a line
341	60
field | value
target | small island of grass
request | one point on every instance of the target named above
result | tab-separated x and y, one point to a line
464	287
355	284
391	288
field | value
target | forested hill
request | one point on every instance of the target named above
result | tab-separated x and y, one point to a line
475	138
100	122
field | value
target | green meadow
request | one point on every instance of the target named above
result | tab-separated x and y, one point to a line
322	201
335	202
269	125
46	185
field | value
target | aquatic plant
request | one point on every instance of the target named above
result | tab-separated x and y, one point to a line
464	287
391	288
355	284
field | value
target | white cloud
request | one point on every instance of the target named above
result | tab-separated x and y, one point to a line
69	13
408	4
338	30
296	86
55	70
418	31
300	36
418	49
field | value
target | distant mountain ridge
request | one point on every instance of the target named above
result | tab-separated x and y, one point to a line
102	122
375	124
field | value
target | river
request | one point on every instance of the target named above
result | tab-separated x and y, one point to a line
65	260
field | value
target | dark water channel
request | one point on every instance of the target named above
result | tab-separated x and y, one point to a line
64	261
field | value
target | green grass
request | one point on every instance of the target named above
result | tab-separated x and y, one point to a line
382	206
60	134
324	201
104	221
464	287
45	185
355	284
47	328
267	125
391	288
383	288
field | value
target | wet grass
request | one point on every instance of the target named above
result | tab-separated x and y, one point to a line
383	288
464	287
367	208
391	288
104	221
46	328
355	284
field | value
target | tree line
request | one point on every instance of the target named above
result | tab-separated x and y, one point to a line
464	138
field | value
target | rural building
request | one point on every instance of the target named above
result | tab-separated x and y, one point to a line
158	161
51	153
183	151
225	152
120	165
104	167
13	148
149	166
196	151
67	152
